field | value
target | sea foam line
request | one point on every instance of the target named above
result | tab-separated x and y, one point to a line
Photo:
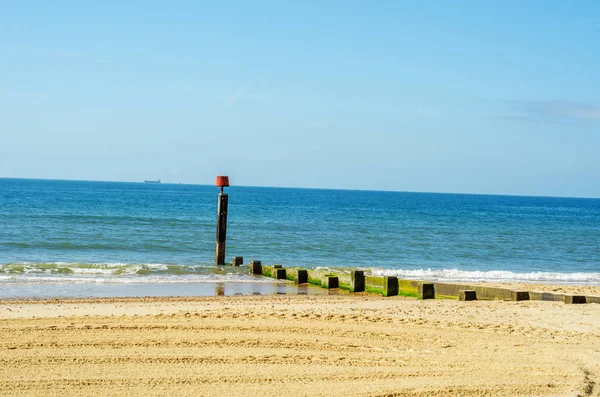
489	276
70	268
153	279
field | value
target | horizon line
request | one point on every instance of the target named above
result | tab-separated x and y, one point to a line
313	188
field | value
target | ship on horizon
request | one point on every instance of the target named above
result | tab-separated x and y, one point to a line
156	181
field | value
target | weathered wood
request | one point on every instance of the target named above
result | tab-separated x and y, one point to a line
573	299
467	295
221	228
519	296
390	286
592	299
237	261
278	273
426	291
546	296
256	267
357	281
331	281
301	276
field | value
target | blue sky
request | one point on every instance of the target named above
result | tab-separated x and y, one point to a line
467	96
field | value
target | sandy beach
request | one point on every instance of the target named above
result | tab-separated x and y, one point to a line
354	345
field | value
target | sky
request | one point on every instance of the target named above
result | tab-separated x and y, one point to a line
492	97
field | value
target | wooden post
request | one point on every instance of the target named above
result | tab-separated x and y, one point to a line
278	273
575	299
426	291
467	295
330	281
301	276
390	286
221	228
357	281
519	296
256	267
237	261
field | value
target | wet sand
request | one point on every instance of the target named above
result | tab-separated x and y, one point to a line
351	345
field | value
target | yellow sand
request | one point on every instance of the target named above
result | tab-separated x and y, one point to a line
299	345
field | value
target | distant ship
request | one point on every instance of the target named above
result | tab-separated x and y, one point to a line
156	181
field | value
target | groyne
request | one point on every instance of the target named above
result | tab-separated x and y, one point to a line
357	281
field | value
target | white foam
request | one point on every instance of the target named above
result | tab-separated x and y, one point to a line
124	273
119	273
489	276
117	268
188	279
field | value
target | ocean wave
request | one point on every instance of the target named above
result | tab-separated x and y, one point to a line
156	279
121	273
112	269
65	272
456	275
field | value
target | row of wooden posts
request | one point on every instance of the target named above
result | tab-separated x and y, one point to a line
357	281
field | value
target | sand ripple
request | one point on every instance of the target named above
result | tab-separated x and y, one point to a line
302	345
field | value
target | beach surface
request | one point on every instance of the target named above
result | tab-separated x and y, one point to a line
351	345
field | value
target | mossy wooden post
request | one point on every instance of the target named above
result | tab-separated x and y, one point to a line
467	295
330	281
390	286
237	261
222	181
278	273
519	296
301	276
426	291
357	281
256	267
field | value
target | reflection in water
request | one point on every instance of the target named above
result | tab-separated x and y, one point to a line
303	289
223	288
220	289
281	289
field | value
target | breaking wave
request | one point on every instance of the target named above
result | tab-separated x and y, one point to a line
62	272
456	275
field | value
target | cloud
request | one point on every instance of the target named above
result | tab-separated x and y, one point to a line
555	110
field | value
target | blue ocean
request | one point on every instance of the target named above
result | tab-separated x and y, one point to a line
105	238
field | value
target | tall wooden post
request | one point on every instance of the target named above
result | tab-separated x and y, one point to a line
221	229
222	181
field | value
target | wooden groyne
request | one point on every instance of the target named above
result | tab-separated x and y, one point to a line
359	281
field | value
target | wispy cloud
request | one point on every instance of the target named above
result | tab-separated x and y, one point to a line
559	111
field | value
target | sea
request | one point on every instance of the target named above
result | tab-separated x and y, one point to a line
83	238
